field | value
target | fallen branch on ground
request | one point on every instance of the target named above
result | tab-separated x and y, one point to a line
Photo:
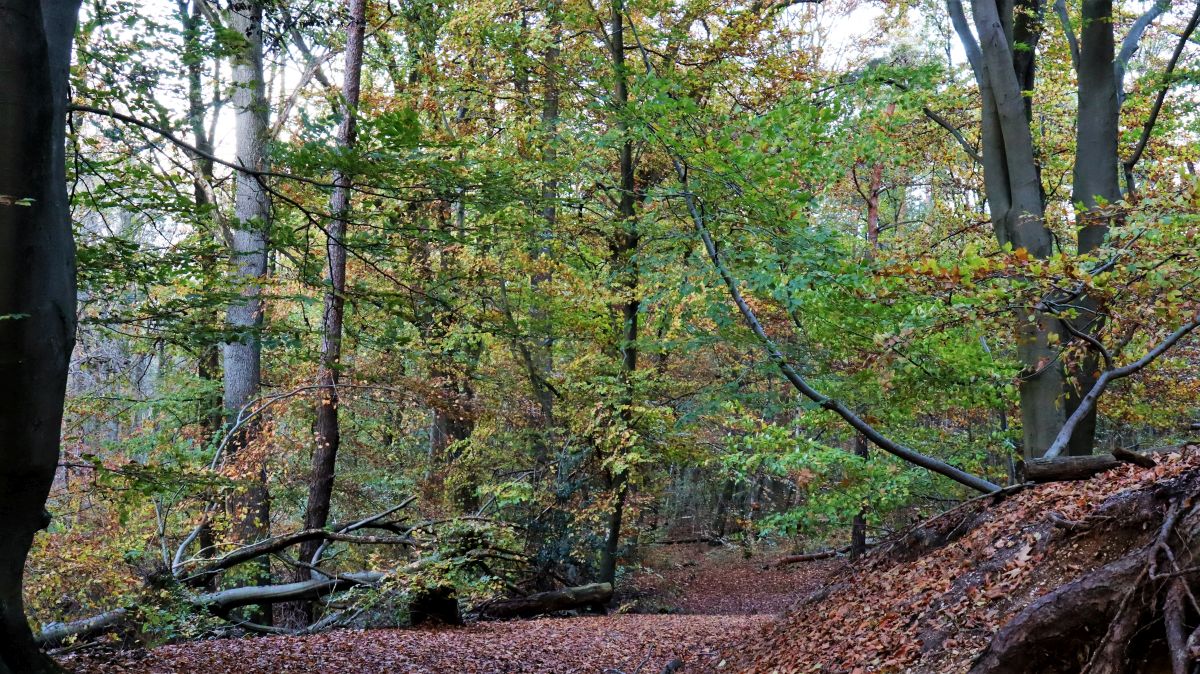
56	634
1068	468
810	557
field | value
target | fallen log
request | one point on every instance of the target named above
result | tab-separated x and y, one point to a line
810	557
222	602
584	596
54	635
1068	468
690	541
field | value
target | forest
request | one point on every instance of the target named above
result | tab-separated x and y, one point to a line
613	336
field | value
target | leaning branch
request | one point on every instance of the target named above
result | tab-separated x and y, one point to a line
1148	127
795	378
1130	44
1060	8
1106	378
277	543
958	136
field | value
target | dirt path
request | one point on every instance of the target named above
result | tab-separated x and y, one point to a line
720	602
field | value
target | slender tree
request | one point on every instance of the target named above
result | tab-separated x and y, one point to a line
328	436
252	216
623	246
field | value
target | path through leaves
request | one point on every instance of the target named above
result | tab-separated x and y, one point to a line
722	602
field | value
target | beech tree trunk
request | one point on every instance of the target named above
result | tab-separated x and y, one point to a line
249	510
320	485
1095	183
37	293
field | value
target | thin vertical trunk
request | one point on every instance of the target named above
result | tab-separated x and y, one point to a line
320	486
542	353
858	529
249	510
623	248
208	365
37	293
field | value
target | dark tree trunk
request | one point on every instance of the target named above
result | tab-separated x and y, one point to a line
328	436
858	529
37	293
623	247
542	354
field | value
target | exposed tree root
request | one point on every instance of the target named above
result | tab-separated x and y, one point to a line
1114	619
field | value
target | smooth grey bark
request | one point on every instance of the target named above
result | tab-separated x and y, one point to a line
37	293
242	355
1014	192
1095	185
328	435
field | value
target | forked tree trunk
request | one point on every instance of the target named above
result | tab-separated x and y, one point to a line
37	293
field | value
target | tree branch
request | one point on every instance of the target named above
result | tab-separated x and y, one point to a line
794	377
1130	44
1148	127
1060	8
962	140
1107	377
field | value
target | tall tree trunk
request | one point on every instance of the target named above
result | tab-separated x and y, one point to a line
249	510
623	248
1014	191
37	293
1095	184
320	485
542	353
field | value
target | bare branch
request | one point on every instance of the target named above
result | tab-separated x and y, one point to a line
795	378
1107	377
962	140
1148	127
1060	8
1130	44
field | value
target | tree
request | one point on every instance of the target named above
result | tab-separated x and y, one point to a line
328	436
1003	53
248	249
37	293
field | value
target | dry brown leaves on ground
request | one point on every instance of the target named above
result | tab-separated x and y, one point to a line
738	597
936	613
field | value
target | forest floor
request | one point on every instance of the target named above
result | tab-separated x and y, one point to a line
694	604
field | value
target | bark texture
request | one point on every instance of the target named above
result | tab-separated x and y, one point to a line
585	596
328	434
252	217
37	293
